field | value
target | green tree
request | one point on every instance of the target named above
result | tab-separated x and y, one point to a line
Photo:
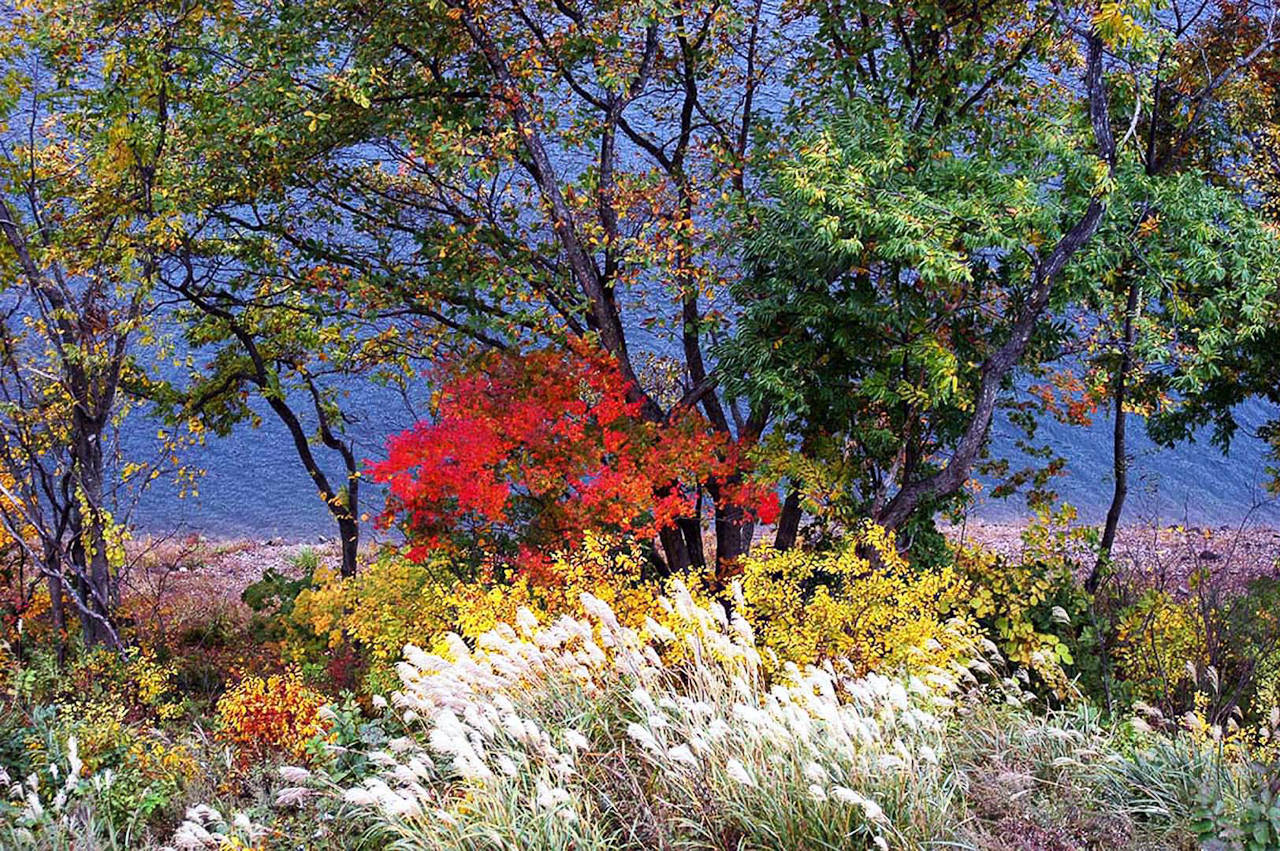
1186	268
908	255
1240	146
924	244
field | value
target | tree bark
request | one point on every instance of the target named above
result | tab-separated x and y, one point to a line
57	612
674	549
788	522
1119	447
90	553
1000	363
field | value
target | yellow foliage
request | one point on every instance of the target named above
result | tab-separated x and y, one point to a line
1256	743
389	604
1116	25
138	682
279	713
156	758
100	728
1158	642
394	602
862	601
807	606
10	505
601	567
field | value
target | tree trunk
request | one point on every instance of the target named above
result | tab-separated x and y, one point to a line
732	536
341	506
788	522
674	550
349	535
691	530
89	551
1119	447
57	612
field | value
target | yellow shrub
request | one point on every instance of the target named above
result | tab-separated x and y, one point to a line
320	608
137	683
803	606
390	603
278	713
610	571
807	606
100	729
1156	640
394	601
1267	694
154	757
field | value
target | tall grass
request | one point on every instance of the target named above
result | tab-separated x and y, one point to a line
584	734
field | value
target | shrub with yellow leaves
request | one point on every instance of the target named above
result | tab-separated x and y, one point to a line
861	600
808	606
1159	645
136	683
275	713
390	603
395	601
612	571
1026	607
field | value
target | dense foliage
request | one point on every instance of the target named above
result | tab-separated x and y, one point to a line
654	280
528	453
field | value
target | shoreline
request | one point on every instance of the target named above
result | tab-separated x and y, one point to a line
1165	555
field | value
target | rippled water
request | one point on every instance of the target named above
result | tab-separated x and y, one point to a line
1194	481
256	487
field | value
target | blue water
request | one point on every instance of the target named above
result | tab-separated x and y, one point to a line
1192	482
256	487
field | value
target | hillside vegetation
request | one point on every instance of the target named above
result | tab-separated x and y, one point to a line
704	311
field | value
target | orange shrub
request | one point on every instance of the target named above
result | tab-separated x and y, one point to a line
275	713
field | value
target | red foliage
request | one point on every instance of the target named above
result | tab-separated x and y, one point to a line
527	453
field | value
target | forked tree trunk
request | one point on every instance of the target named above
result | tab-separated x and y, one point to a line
89	552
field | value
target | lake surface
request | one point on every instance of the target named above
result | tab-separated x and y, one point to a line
256	487
1193	482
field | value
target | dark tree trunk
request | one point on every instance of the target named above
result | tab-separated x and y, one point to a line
691	531
674	550
733	536
89	552
788	522
341	506
349	535
57	612
1119	447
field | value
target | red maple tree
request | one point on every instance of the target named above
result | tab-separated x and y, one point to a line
528	453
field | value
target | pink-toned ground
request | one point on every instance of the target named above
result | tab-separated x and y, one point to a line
1165	556
181	580
184	586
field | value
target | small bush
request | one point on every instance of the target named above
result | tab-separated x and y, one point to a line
1156	641
278	713
881	614
1030	607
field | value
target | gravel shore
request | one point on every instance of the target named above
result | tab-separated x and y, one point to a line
1164	555
214	572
